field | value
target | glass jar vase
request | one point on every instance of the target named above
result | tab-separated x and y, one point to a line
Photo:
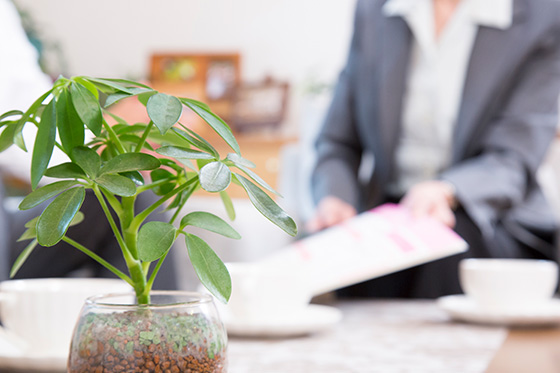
177	332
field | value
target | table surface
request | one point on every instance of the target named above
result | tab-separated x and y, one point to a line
399	336
376	336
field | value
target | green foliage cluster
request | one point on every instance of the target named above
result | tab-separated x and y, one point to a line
178	159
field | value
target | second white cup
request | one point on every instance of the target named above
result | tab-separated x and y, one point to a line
508	285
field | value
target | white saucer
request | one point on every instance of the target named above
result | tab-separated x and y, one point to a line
32	364
312	319
463	308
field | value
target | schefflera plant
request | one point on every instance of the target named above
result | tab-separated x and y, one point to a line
179	162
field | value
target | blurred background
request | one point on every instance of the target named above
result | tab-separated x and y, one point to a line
268	68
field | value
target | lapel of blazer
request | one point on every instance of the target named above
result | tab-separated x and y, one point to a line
395	38
490	56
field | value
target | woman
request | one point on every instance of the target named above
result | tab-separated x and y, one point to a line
456	100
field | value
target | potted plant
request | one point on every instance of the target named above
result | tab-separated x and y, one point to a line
156	331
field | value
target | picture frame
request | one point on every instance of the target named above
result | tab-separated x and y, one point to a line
260	106
208	77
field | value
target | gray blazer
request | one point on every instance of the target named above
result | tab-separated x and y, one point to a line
506	121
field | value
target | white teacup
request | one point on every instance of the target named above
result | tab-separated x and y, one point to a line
508	284
261	291
39	314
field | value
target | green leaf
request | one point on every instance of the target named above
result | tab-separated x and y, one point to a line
135	176
184	153
188	164
169	138
198	103
116	97
266	206
31	225
7	136
179	200
86	83
214	177
239	160
154	240
130	162
70	126
19	141
30	233
197	141
11	113
161	174
210	222
78	218
88	160
120	121
109	152
117	184
33	110
202	162
226	200
44	144
22	258
55	220
32	222
214	121
164	111
127	128
211	271
256	178
44	193
121	82
87	107
66	170
171	164
144	97
133	140
115	86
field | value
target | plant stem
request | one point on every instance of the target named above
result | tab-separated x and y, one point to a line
134	266
114	137
139	280
113	225
155	271
130	235
152	185
183	202
144	214
99	259
140	145
115	204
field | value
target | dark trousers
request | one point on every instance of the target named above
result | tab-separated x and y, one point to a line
440	277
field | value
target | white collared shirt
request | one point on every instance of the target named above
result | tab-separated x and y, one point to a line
435	82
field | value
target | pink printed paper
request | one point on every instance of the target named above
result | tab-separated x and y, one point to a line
378	242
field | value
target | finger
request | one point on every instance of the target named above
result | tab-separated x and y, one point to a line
348	213
421	207
445	215
313	225
332	218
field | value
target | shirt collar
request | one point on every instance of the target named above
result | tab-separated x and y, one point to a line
491	13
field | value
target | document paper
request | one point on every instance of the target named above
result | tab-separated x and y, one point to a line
375	243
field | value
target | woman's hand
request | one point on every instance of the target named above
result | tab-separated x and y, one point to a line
433	198
330	211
